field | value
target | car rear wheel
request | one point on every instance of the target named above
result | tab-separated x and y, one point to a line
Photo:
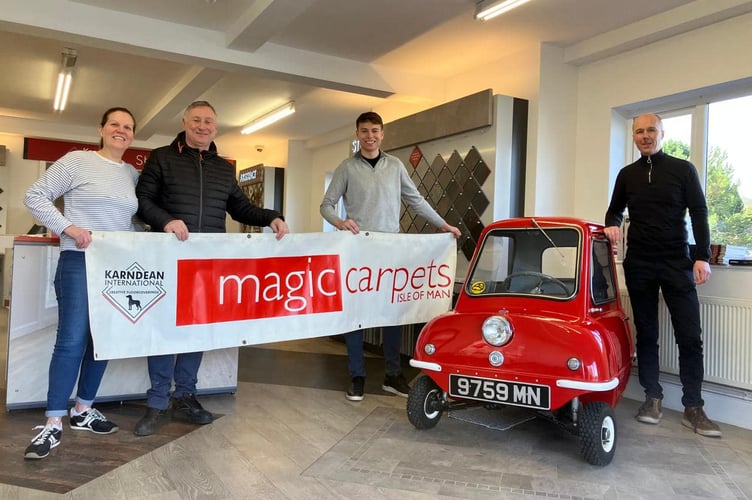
424	403
598	433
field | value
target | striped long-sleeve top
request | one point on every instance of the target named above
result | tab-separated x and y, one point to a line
98	194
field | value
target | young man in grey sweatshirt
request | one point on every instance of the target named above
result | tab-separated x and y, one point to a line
372	185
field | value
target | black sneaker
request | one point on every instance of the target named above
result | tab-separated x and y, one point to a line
92	420
396	384
186	407
355	392
42	443
151	422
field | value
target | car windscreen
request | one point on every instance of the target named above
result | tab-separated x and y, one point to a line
540	262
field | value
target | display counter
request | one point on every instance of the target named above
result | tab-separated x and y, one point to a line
32	328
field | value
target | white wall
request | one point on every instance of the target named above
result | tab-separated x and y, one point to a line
298	194
15	178
325	160
701	58
551	191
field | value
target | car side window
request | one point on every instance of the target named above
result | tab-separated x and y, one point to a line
602	286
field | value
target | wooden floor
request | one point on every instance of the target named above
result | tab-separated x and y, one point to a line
289	433
81	456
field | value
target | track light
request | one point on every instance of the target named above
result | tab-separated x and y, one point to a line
269	118
487	9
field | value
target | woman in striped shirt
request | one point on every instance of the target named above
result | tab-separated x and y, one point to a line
98	191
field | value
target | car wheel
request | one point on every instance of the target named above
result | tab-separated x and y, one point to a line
598	433
424	403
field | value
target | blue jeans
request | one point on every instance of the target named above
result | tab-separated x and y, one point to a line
674	277
391	337
73	355
162	369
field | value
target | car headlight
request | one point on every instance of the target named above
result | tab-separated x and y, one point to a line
497	330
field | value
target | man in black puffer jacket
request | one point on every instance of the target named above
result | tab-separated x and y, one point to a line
187	187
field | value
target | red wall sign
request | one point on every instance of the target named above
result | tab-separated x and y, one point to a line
51	150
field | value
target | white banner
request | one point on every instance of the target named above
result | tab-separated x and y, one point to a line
152	294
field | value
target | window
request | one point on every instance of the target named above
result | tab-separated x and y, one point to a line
714	136
729	175
602	287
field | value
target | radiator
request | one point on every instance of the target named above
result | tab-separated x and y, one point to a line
726	336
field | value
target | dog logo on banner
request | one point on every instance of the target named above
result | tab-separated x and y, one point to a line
134	290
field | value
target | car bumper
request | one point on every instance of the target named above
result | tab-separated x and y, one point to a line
562	383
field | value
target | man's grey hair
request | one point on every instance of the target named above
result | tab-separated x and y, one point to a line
200	104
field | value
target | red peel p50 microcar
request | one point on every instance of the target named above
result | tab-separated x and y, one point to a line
538	324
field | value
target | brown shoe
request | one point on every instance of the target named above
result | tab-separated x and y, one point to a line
650	411
695	418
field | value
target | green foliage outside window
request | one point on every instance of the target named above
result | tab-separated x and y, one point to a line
730	220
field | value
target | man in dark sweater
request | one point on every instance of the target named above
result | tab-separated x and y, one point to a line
185	188
658	189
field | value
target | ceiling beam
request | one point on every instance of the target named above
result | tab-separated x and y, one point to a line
128	33
191	86
667	24
263	18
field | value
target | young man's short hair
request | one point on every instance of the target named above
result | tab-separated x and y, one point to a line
369	116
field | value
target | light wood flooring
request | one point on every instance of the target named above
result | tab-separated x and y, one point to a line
288	435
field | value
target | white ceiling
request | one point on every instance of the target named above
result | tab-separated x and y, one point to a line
334	58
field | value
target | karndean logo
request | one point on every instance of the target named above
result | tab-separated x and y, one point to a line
133	290
221	290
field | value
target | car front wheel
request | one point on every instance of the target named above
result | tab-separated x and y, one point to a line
424	403
598	433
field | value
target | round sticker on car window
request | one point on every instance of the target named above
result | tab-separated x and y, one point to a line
477	287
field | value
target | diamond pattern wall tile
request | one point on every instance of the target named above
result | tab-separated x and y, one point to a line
454	162
462	174
472	157
445	177
415	177
435	195
480	202
464	199
455	189
444	205
481	172
452	217
429	179
473	223
419	223
452	191
422	168
437	164
471	186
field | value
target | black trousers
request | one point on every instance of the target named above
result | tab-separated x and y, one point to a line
674	278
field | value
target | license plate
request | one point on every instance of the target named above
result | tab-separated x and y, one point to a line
500	391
